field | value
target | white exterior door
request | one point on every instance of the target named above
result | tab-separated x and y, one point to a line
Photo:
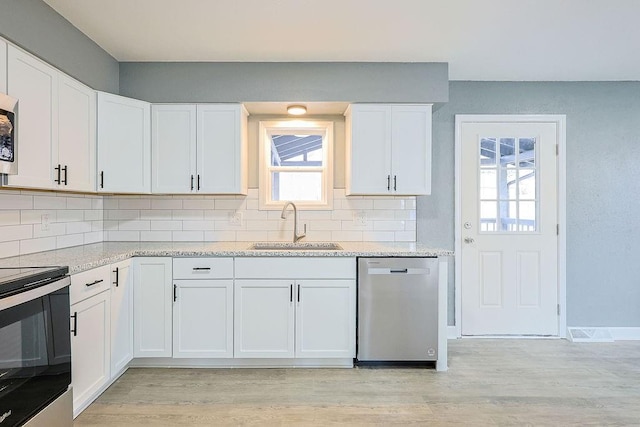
203	318
508	227
264	318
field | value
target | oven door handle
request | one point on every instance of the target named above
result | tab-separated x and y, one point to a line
34	293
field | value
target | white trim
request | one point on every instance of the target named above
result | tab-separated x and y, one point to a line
616	332
452	333
168	362
560	121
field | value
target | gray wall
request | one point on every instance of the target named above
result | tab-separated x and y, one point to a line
285	82
37	28
603	186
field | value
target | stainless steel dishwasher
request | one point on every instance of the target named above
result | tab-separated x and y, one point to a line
397	309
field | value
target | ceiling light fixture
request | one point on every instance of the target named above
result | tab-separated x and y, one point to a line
296	110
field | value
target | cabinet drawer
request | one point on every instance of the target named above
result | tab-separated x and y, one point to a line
203	268
89	283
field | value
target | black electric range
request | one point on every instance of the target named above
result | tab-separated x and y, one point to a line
14	280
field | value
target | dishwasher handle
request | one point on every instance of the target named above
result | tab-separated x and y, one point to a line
387	271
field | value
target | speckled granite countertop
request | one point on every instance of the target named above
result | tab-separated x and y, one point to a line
86	257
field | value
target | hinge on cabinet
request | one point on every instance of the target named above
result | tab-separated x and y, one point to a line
558	309
557	150
557	229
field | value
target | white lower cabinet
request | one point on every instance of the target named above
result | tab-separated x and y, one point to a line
121	316
325	318
90	348
303	308
152	307
264	318
203	318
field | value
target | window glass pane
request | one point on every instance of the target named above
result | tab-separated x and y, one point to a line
527	184
527	152
488	217
305	186
507	151
488	180
527	213
296	150
487	152
508	215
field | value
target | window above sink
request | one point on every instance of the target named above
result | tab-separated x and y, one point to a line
296	163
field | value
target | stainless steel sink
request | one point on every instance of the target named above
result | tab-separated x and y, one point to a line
298	246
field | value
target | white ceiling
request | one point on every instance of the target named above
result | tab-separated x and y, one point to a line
480	39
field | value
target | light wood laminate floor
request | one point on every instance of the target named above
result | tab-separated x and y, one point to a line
489	382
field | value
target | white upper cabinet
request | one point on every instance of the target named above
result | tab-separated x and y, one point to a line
124	144
35	85
199	148
76	156
388	149
173	136
56	120
222	149
3	66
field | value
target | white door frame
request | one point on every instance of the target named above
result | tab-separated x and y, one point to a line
560	121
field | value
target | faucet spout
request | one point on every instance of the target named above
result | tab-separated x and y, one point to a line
296	236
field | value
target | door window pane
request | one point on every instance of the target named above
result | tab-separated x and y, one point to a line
508	184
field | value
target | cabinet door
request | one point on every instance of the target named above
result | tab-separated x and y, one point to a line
124	144
203	318
263	319
411	149
76	136
368	155
121	316
325	318
3	67
89	348
35	85
222	149
173	142
152	301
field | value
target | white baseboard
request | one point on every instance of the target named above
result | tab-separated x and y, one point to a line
452	333
615	333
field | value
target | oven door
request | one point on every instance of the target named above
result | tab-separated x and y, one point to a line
8	148
35	354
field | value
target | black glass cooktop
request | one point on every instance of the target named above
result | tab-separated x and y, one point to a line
12	280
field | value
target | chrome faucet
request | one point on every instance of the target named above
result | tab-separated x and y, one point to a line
296	236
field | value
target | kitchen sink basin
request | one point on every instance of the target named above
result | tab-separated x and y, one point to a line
300	246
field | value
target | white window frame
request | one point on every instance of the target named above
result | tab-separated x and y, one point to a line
293	127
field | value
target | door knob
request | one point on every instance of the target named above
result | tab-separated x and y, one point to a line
468	240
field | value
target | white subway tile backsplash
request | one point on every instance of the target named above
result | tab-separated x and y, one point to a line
8	249
9	218
187	236
198	204
78	203
77	219
138	225
10	201
37	245
69	240
16	232
49	202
